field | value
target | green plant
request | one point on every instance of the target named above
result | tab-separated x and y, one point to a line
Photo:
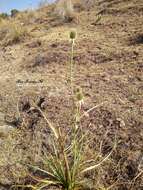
66	163
14	12
3	15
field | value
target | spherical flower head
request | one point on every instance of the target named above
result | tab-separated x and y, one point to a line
73	35
79	95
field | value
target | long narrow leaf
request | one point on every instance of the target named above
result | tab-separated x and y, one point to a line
97	165
39	169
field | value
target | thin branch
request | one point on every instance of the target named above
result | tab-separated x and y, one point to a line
49	123
97	165
91	109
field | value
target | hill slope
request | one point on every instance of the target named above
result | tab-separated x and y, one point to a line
108	60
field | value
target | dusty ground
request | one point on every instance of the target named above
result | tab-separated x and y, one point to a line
109	68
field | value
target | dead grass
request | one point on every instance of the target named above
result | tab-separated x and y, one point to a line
27	17
64	9
12	32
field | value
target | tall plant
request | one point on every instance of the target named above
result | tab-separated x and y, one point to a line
66	164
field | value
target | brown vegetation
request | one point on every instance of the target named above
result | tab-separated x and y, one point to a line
108	67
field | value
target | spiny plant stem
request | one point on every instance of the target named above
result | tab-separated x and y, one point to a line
72	37
71	66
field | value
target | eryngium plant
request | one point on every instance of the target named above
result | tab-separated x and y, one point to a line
65	165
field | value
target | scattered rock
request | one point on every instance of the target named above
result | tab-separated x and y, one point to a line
122	123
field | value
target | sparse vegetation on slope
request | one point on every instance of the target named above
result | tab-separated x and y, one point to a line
12	32
107	65
65	10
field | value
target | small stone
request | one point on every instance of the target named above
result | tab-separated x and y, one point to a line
122	123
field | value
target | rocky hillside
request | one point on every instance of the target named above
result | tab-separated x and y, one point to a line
108	67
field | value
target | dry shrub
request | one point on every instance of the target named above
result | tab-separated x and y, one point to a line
12	32
27	17
3	29
64	9
81	5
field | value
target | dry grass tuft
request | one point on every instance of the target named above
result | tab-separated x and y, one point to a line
27	17
12	32
65	10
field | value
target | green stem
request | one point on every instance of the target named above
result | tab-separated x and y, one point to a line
71	67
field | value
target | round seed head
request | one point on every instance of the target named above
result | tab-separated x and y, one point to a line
79	94
72	35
